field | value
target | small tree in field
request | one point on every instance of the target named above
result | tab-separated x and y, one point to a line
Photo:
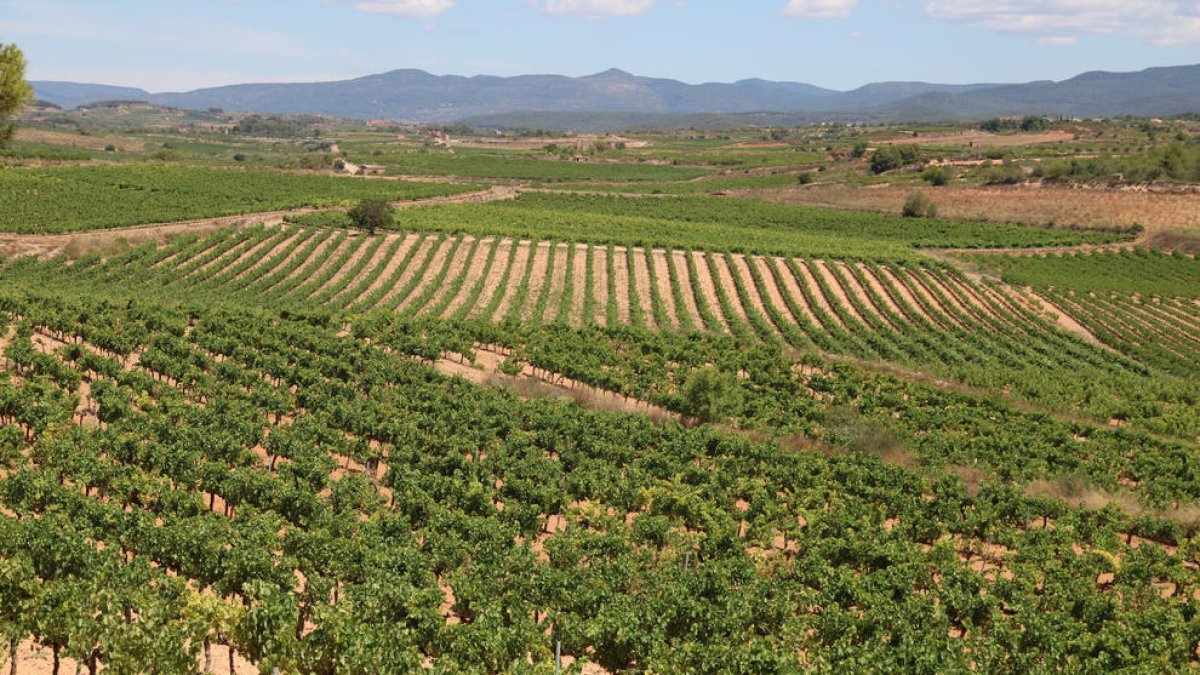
919	206
371	214
710	395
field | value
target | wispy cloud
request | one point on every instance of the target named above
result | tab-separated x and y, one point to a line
405	9
1161	22
58	20
819	9
595	9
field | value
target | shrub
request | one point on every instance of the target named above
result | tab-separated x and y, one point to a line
806	177
919	206
371	214
710	395
936	175
892	157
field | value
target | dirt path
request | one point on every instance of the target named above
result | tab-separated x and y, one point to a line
558	280
579	285
491	283
807	279
485	372
477	267
877	286
835	287
678	261
521	254
738	264
906	296
364	245
539	279
600	282
436	262
79	243
854	287
457	269
621	283
708	289
662	278
640	277
389	267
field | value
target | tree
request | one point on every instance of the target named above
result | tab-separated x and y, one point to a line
371	214
892	157
710	395
15	92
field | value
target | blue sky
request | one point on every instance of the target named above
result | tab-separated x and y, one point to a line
168	45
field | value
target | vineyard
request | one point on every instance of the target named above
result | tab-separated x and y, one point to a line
64	199
221	484
600	423
1142	303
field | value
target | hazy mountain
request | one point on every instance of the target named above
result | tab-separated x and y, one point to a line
73	94
1151	92
617	99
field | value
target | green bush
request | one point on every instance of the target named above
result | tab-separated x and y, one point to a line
936	176
919	206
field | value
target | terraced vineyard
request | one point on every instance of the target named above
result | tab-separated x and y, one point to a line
1142	303
899	311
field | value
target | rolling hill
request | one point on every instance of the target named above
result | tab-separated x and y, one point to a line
617	99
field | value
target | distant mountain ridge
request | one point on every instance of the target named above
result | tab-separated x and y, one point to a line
617	95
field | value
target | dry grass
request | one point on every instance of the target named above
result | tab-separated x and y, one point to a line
122	143
1077	491
1032	204
984	139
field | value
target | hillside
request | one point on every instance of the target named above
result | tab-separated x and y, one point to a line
617	99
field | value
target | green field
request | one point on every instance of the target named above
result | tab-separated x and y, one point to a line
66	199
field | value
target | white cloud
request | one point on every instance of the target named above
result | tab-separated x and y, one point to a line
1162	22
596	9
819	9
405	9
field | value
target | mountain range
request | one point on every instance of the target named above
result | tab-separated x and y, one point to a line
621	100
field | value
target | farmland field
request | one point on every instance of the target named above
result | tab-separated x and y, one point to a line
659	431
